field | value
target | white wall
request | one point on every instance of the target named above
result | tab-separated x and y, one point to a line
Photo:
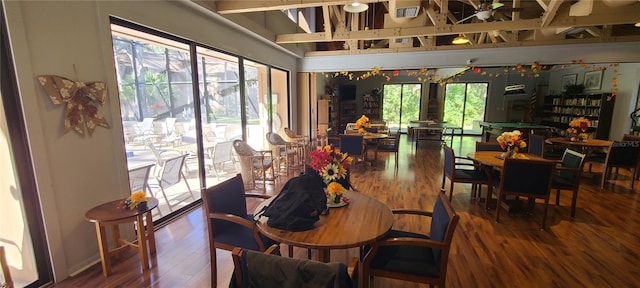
74	173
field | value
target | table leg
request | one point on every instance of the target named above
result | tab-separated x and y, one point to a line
151	233
323	255
142	243
103	245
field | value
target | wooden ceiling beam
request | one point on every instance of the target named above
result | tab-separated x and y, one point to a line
235	6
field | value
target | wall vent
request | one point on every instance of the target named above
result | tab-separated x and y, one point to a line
407	12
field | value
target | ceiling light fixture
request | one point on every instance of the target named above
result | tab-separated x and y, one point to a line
460	40
356	7
637	24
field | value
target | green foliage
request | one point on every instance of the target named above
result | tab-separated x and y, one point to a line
400	100
459	109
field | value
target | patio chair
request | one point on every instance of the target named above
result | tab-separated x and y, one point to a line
171	174
220	154
286	154
254	164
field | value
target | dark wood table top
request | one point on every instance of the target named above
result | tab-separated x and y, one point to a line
363	221
589	143
490	158
117	210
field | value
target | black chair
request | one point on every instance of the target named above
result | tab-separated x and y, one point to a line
229	224
412	256
527	178
488	146
353	145
476	176
389	145
269	269
536	145
567	177
622	154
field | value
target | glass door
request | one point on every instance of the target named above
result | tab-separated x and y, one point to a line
400	104
464	105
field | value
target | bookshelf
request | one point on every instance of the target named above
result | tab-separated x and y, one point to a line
559	110
371	106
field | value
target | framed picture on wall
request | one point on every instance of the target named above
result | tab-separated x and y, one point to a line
569	79
592	80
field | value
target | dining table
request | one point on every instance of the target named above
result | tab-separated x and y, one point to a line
589	143
363	220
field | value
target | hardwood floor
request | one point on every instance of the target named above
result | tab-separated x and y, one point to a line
599	248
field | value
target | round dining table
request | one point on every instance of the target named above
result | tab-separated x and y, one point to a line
590	143
494	159
363	221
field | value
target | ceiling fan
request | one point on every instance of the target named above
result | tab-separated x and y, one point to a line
485	11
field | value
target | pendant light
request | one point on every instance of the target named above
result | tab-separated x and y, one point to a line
356	7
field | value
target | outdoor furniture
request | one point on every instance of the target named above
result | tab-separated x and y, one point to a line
254	164
171	174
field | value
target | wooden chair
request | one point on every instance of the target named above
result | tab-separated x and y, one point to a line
567	177
389	145
622	154
353	145
412	256
267	270
6	273
527	178
488	146
254	164
536	145
631	137
476	175
228	223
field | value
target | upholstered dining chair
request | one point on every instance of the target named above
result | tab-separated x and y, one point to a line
266	269
621	154
389	145
353	144
413	256
254	164
567	177
536	145
228	222
488	146
527	178
454	171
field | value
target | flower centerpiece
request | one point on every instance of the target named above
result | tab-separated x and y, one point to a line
578	129
332	166
511	142
362	123
136	199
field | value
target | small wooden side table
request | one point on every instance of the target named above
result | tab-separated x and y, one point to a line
112	214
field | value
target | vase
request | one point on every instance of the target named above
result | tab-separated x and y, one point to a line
337	199
142	205
510	153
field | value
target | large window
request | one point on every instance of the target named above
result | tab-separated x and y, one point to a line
464	105
175	103
400	105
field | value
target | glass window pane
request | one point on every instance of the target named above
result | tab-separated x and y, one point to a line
256	104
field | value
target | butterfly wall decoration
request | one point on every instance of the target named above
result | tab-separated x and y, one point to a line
83	101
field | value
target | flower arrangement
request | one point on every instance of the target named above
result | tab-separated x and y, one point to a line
136	199
578	128
332	166
362	123
511	142
334	192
